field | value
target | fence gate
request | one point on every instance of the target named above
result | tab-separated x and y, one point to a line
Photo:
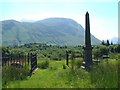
33	62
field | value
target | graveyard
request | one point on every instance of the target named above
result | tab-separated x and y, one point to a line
55	71
39	65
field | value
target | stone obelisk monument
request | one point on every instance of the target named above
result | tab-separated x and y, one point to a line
87	47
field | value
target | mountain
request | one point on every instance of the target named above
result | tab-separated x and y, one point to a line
115	40
60	31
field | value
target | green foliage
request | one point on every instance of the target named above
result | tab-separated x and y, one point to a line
43	64
5	50
99	51
107	43
103	42
111	43
11	74
105	75
114	56
102	76
118	56
96	53
58	75
78	62
118	48
64	66
103	51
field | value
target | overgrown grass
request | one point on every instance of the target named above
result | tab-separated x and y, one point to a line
43	64
12	73
104	75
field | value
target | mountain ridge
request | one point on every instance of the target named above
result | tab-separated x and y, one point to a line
60	31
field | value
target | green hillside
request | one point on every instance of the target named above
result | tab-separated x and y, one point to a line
59	31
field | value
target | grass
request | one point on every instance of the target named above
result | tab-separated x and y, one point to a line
104	75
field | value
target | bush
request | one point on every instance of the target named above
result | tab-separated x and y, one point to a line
52	68
64	66
11	73
78	63
43	65
118	56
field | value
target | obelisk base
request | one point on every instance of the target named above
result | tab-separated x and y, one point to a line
88	57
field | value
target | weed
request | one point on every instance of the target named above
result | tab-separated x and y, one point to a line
43	64
11	74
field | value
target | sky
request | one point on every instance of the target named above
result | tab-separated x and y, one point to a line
103	14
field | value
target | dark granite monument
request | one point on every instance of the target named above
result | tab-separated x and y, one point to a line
87	47
67	55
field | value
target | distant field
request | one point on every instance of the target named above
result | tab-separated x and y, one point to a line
104	75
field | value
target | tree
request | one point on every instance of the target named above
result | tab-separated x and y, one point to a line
96	53
103	42
107	44
104	50
111	49
5	50
118	49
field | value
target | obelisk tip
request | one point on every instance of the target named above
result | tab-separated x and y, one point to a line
87	12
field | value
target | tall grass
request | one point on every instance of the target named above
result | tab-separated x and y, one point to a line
103	75
43	65
12	73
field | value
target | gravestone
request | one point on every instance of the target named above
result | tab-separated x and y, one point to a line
67	55
105	57
17	65
87	47
72	58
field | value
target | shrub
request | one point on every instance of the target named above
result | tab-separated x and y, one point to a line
118	56
52	68
43	65
64	66
11	73
78	63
